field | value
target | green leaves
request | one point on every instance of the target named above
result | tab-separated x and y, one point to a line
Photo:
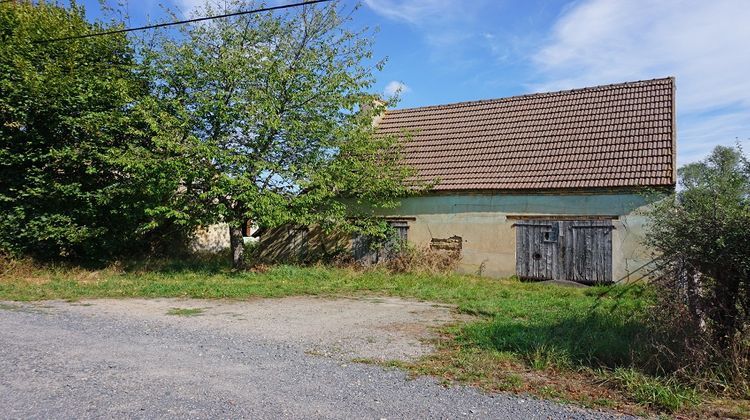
711	213
266	108
255	117
77	168
703	235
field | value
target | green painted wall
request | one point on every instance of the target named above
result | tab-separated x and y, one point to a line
583	204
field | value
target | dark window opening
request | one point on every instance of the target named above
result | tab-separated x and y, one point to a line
372	250
400	229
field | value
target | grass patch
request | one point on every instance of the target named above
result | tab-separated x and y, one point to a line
664	394
507	372
186	311
563	328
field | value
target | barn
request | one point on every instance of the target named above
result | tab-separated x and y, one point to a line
547	186
544	186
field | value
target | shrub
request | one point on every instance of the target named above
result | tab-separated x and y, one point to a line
701	323
77	180
407	258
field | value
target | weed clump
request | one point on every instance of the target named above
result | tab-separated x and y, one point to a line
422	260
660	393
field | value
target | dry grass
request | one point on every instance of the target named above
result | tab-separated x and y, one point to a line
406	259
689	343
21	270
423	259
33	273
504	372
623	390
30	272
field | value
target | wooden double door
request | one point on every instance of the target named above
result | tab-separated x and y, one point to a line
574	250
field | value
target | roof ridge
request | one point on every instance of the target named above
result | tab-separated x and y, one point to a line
529	95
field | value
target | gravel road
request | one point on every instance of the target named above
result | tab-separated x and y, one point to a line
273	358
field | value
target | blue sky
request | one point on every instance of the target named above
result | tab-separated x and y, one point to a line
442	51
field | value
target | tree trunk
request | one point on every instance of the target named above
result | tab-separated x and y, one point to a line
693	298
237	245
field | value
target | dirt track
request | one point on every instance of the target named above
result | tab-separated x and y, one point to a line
267	358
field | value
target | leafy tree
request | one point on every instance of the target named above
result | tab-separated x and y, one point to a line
703	236
74	175
267	110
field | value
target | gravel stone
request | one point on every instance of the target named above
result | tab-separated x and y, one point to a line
270	358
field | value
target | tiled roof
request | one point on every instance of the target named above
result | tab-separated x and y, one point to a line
599	137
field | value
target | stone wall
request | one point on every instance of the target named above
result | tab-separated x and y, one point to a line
213	238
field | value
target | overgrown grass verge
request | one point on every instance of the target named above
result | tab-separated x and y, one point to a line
571	344
623	389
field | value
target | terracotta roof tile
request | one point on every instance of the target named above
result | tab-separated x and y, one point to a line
605	136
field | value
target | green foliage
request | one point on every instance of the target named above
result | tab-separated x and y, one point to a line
73	179
659	393
702	323
267	108
708	224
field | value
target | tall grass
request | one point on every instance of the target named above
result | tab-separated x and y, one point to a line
565	328
666	394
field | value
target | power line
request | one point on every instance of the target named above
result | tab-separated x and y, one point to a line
180	22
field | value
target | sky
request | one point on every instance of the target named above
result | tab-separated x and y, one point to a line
444	51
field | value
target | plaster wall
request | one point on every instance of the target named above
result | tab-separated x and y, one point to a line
211	239
214	238
485	224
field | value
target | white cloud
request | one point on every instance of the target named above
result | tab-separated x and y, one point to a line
702	43
395	88
191	7
447	27
413	11
188	7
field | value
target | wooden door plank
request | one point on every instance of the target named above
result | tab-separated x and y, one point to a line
582	251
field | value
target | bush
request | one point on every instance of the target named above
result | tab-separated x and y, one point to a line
701	323
408	258
79	179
